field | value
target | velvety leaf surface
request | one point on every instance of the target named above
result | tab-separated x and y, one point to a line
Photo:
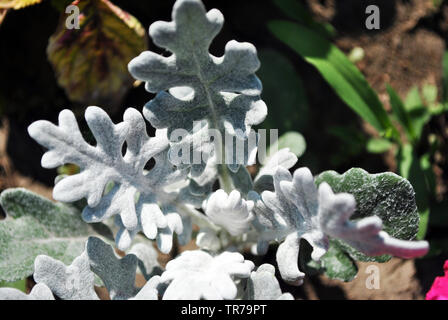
198	275
263	285
39	292
337	264
33	226
192	85
136	197
91	62
230	211
386	195
75	282
299	210
117	274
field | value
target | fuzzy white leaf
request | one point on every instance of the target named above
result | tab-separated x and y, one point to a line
39	292
74	282
298	210
104	163
263	285
192	85
230	211
198	275
117	274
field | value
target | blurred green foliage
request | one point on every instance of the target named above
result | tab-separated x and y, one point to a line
401	131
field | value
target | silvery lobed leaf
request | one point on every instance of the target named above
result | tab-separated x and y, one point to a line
75	282
149	213
264	178
208	239
117	274
198	275
194	86
299	210
386	195
230	211
147	259
104	163
39	292
148	292
35	225
263	285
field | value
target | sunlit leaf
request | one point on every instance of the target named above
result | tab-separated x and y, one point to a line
292	140
385	195
35	225
297	11
3	13
378	145
343	76
17	4
413	99
91	62
429	93
400	112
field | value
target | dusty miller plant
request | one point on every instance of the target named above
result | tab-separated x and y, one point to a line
344	218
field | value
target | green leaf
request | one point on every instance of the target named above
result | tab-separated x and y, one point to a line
429	93
91	62
416	170
351	140
20	285
400	112
413	99
346	80
283	91
35	225
418	112
385	195
292	140
295	10
378	145
445	78
337	264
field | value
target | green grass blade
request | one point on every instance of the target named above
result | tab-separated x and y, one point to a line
343	76
400	112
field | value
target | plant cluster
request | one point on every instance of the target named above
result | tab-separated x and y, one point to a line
355	216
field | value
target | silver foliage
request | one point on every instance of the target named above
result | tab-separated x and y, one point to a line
104	163
263	285
299	210
194	86
199	275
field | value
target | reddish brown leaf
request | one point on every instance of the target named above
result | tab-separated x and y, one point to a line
91	62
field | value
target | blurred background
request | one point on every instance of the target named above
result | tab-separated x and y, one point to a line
376	99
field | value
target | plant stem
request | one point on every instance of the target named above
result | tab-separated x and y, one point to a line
199	219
